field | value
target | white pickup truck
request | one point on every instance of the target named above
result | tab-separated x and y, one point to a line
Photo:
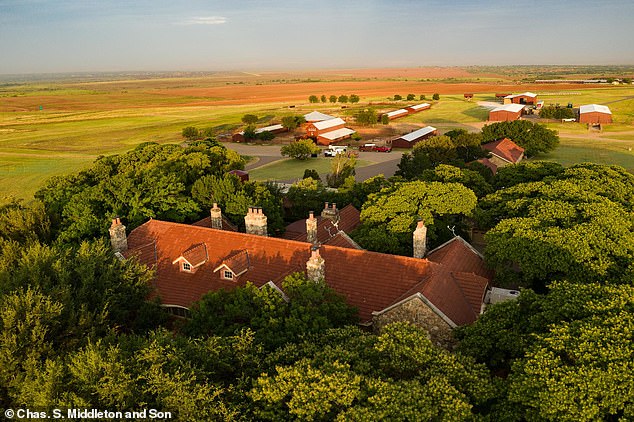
334	150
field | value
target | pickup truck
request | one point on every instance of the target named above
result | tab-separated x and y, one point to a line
374	147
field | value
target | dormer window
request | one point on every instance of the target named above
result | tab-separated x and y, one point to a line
192	258
234	266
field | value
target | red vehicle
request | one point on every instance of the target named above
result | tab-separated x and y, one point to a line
374	147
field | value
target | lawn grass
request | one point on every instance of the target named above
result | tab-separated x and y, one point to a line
291	169
572	151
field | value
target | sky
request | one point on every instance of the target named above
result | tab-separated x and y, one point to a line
40	36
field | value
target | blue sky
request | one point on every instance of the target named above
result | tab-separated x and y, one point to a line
38	36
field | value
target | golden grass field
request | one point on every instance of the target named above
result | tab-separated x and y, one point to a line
51	128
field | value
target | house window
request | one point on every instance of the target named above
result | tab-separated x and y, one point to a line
228	275
187	266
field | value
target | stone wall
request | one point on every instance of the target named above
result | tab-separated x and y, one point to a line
418	313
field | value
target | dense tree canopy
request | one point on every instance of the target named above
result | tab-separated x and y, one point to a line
388	218
300	150
533	137
577	225
151	181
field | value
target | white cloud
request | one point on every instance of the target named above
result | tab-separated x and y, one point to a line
204	20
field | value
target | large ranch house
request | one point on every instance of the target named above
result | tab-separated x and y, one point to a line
437	289
595	114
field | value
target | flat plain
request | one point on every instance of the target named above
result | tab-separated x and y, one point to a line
54	127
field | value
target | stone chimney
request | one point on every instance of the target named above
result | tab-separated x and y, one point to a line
420	240
118	238
311	228
330	212
315	266
216	217
255	221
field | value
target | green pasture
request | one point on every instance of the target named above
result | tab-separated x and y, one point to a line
572	151
291	169
35	145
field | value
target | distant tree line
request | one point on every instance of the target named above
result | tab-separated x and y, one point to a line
353	99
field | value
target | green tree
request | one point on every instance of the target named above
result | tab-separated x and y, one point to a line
397	97
366	117
422	97
533	137
289	122
557	112
341	167
410	97
385	119
190	133
249	119
311	174
450	174
324	99
332	98
436	97
313	99
249	133
395	210
343	99
265	136
300	150
354	98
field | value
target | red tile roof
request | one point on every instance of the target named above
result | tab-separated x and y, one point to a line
327	232
505	149
370	281
237	262
196	255
490	164
226	224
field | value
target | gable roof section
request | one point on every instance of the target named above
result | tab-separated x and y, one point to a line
349	219
315	116
505	149
524	94
237	262
333	135
399	112
419	106
591	108
196	255
513	108
226	224
410	137
325	124
490	164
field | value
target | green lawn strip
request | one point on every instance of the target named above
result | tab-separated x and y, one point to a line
289	168
21	176
573	151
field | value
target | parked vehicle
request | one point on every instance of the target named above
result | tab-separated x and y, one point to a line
374	147
334	150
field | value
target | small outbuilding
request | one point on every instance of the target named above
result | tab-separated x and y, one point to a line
417	107
411	139
503	152
506	113
242	175
595	113
524	98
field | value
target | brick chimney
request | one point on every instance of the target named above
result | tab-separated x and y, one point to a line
216	217
255	221
118	238
311	228
420	240
315	266
330	212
